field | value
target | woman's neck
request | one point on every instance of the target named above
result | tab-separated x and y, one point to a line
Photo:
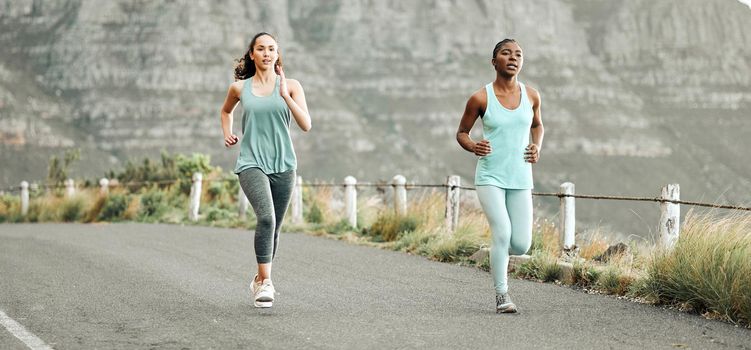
506	84
264	76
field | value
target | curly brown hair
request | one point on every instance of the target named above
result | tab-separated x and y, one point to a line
244	66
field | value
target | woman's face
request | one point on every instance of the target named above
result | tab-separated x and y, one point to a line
265	52
509	59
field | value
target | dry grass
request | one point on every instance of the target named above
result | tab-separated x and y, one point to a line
318	205
95	209
133	208
542	266
707	271
465	241
9	208
545	237
368	208
429	207
594	244
74	208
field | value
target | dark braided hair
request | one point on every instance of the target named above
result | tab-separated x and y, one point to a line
244	66
500	44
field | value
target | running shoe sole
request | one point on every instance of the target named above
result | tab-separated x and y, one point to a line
263	304
506	310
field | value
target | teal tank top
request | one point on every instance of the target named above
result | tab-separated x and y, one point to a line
508	133
266	143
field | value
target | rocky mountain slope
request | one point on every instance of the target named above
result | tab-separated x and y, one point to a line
636	94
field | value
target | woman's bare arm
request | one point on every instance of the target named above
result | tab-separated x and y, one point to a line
475	107
233	96
532	153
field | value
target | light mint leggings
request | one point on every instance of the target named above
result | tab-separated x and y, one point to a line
509	214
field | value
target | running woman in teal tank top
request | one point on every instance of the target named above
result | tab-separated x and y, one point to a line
510	112
267	162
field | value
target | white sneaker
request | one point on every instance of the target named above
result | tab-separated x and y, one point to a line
263	292
504	305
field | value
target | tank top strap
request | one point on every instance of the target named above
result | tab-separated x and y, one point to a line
246	87
491	99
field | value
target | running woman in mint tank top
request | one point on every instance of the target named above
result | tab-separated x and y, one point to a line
510	113
267	163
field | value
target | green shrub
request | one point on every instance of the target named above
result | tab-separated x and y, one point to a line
73	209
218	214
551	272
461	244
232	186
9	208
34	212
175	198
613	281
178	168
314	215
584	275
186	167
541	266
114	207
57	168
174	216
216	190
388	226
152	204
412	241
340	226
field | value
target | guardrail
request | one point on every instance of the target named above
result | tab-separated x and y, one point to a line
669	199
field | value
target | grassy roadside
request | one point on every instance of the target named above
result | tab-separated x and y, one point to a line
707	272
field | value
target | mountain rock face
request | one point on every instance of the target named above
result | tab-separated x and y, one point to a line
636	94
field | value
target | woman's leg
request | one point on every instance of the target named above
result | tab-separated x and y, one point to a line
282	185
493	201
519	207
257	188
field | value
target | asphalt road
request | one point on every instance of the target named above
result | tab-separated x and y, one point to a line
125	286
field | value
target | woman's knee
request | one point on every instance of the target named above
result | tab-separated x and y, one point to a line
500	237
266	222
519	248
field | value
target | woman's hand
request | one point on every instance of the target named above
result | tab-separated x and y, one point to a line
230	140
532	153
283	89
482	148
296	103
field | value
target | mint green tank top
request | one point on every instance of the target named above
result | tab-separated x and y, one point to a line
508	133
266	143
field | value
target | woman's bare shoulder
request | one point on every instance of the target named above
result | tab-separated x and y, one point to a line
293	82
236	88
534	95
479	98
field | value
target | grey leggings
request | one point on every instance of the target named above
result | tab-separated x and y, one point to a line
269	194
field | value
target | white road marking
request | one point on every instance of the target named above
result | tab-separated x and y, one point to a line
18	330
